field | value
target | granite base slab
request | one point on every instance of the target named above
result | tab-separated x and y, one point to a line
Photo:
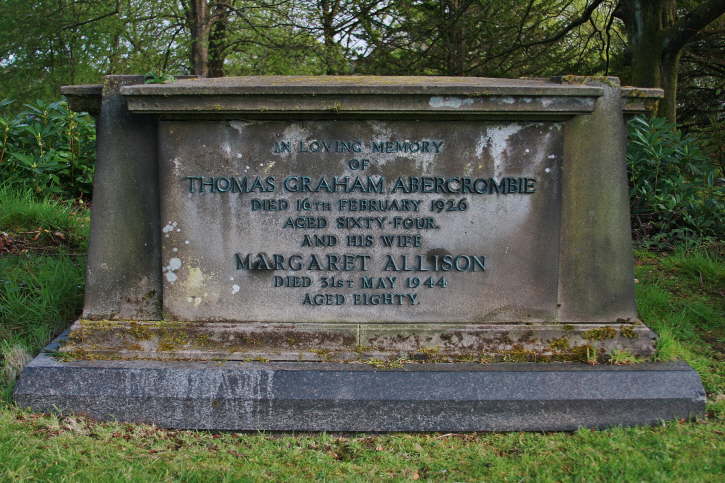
317	396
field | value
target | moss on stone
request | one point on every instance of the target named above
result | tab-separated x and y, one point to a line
202	340
588	79
323	354
430	350
181	340
519	355
586	353
601	333
560	344
139	331
172	340
627	332
389	364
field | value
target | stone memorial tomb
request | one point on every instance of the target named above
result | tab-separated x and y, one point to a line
360	254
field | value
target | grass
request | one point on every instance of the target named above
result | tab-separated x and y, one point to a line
680	295
41	274
73	449
34	225
38	296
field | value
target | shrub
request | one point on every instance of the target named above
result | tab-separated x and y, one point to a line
48	148
676	190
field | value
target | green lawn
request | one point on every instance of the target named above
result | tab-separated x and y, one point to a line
74	449
680	295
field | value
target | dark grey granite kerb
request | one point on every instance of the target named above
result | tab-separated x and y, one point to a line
358	397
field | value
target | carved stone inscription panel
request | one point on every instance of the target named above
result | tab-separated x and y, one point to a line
360	221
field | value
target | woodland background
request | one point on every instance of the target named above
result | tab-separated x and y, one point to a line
678	45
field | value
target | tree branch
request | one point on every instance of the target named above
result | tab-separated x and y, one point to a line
687	27
95	19
583	18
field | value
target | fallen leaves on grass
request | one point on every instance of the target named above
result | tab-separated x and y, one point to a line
40	240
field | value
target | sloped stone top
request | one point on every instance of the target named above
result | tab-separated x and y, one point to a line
365	95
346	85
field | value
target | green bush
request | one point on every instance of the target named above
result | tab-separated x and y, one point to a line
48	148
676	190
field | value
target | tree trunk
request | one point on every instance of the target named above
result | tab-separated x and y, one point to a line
115	54
452	25
670	70
327	13
646	22
657	38
199	26
218	38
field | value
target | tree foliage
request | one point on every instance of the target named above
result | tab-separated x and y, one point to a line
47	43
507	38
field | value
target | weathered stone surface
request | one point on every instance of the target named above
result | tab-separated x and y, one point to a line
641	100
364	85
188	340
123	279
341	97
84	98
357	397
637	99
517	234
596	282
240	219
556	255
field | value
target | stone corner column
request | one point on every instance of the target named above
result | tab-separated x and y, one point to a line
596	270
123	277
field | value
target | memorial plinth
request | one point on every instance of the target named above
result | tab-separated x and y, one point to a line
330	227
